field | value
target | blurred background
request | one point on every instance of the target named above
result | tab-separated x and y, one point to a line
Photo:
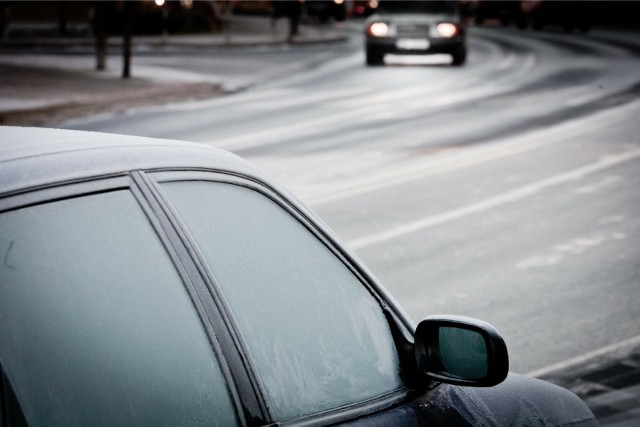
80	18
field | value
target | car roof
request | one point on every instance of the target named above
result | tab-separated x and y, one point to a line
36	157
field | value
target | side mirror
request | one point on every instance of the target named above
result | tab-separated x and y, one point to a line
461	351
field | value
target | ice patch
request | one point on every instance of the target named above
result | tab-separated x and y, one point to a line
573	247
603	183
540	261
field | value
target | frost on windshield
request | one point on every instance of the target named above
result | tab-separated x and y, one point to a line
318	339
96	327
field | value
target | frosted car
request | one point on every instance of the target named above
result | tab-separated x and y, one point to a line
154	282
415	27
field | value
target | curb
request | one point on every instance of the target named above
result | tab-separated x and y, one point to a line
608	380
165	93
158	93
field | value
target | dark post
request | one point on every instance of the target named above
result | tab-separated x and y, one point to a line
101	35
4	18
165	21
63	12
126	45
293	10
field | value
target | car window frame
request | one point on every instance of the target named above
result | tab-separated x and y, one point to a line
398	322
187	272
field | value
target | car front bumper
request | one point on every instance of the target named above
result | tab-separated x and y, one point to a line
435	45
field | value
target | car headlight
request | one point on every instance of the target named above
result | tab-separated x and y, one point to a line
379	29
447	29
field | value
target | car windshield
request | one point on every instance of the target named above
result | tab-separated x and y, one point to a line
417	7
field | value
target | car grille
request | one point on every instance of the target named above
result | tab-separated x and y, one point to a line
412	29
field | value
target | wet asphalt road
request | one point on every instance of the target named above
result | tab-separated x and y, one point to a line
505	190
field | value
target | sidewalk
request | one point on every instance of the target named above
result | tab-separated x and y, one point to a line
608	380
36	90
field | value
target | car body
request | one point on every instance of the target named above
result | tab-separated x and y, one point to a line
156	282
415	28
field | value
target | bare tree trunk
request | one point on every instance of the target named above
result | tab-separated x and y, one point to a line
63	12
126	45
226	21
101	35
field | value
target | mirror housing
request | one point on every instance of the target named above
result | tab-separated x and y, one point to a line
461	351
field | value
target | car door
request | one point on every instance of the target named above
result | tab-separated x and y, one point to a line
314	331
99	323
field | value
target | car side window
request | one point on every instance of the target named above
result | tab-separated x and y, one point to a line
96	326
317	337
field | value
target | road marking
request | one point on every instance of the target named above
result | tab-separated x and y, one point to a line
422	170
620	347
493	202
292	99
301	129
371	104
362	111
331	192
604	183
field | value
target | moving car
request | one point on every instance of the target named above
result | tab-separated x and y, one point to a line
154	282
415	28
